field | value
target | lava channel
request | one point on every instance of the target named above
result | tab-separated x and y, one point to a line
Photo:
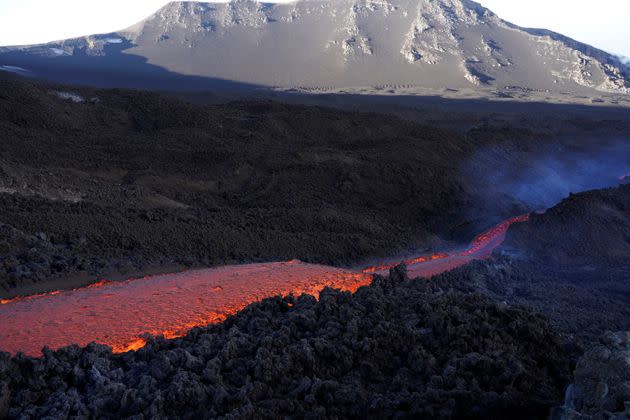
431	265
122	314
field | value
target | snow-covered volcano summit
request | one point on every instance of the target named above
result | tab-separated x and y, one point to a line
333	44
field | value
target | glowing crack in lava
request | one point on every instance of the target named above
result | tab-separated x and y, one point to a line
121	314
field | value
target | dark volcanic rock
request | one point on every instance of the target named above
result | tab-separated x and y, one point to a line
141	180
572	264
398	348
586	229
136	181
601	386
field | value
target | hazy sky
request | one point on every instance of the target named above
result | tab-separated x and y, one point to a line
602	23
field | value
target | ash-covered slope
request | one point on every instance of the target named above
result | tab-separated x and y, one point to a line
329	45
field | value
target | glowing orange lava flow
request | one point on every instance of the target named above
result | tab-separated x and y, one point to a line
123	314
412	261
484	243
430	265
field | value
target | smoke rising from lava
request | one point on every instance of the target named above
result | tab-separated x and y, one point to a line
540	178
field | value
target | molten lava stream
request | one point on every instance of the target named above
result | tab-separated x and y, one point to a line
431	265
122	314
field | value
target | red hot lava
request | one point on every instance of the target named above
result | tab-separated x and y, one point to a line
430	265
121	314
484	244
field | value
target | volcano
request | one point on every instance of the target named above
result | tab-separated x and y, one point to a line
362	46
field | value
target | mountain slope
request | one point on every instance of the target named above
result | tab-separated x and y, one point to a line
333	44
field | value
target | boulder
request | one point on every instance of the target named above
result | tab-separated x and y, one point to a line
601	387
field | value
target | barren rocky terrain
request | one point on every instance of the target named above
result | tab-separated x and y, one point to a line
570	264
350	134
447	347
98	182
116	183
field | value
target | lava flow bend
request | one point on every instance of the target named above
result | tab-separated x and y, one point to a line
431	265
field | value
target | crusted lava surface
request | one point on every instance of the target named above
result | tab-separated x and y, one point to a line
396	348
